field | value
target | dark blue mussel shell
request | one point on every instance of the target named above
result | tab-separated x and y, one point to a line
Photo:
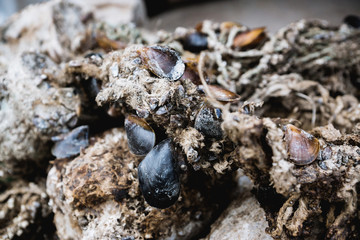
158	176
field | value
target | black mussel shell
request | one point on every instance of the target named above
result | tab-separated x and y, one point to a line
69	144
195	42
208	121
158	176
92	87
353	21
140	135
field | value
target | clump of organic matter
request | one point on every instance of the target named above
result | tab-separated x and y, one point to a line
199	103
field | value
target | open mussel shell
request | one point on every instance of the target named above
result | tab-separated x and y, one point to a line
108	44
303	148
158	176
140	135
163	61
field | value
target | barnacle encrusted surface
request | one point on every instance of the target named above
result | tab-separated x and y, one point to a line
24	212
33	109
35	102
97	196
321	188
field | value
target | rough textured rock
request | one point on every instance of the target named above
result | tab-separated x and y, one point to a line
243	219
115	12
309	190
53	28
33	109
96	196
35	103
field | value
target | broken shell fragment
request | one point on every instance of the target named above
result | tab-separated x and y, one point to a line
195	42
302	147
108	44
94	58
191	73
250	38
221	94
208	121
70	144
158	176
163	61
140	135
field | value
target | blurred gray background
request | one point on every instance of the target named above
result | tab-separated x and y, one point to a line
168	14
273	14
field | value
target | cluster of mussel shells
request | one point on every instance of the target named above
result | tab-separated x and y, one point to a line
158	175
158	172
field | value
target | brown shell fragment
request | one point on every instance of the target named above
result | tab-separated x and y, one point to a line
228	25
302	147
108	44
222	94
163	61
250	38
191	73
